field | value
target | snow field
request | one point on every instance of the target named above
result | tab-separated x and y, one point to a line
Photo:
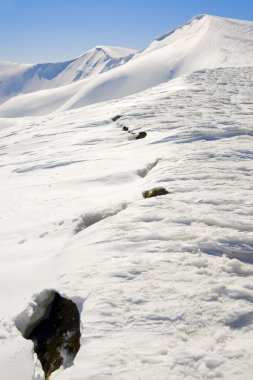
164	284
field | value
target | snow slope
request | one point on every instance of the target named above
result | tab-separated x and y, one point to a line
204	42
25	78
164	285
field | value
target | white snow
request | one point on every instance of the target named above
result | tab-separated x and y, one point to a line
163	285
204	42
19	79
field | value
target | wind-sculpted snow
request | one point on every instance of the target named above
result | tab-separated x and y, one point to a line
166	282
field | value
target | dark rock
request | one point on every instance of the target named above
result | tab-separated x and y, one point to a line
115	118
156	191
141	135
57	336
125	129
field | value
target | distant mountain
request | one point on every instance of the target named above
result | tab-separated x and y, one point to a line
204	42
25	78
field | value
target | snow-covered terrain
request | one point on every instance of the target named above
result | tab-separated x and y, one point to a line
163	284
18	79
204	42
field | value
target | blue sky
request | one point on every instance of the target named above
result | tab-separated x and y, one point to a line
56	30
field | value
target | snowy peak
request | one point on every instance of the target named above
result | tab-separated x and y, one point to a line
167	34
98	60
205	42
218	37
202	43
204	18
115	52
25	78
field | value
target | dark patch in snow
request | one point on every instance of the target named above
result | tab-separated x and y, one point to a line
54	328
79	75
242	321
141	135
43	234
156	191
115	118
22	241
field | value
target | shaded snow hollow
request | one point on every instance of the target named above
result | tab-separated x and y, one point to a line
165	282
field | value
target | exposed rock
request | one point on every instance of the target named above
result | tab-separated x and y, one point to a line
115	118
141	135
125	129
156	191
56	335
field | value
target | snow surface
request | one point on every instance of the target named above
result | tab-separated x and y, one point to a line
204	42
164	285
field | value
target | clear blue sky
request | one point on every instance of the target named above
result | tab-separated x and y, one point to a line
56	30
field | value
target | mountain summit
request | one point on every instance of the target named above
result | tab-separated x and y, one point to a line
25	78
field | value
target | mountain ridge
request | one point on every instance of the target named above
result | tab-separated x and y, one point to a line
203	42
24	78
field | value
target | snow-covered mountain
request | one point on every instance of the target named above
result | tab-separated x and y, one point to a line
99	281
163	285
25	78
204	42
